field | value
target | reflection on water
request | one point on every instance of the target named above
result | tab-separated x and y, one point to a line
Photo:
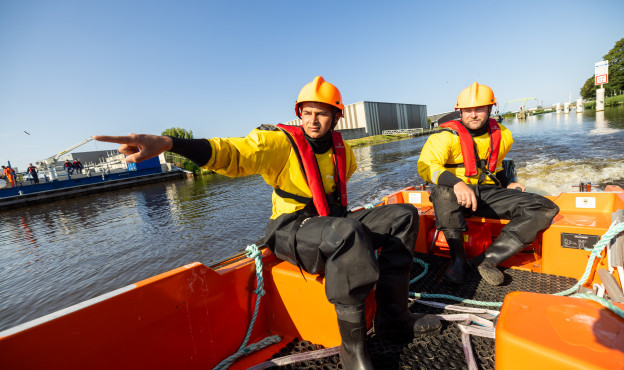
58	254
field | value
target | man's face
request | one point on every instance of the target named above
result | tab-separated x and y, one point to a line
475	118
317	118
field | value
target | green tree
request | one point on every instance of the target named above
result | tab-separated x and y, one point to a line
177	159
616	73
178	132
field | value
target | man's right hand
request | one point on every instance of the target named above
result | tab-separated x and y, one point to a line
465	196
139	147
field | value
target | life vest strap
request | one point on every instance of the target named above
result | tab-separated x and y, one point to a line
311	172
469	152
331	198
284	194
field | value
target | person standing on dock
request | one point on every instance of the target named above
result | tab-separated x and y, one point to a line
9	174
464	161
308	167
32	170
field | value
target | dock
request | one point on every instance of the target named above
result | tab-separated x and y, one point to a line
409	131
52	191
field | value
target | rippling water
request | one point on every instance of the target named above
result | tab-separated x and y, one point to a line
62	253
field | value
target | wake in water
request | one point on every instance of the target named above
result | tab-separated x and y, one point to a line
553	177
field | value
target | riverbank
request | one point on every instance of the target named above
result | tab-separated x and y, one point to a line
610	101
377	139
382	139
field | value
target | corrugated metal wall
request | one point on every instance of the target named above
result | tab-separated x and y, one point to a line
376	117
350	120
394	116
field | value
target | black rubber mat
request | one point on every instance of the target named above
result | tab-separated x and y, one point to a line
443	351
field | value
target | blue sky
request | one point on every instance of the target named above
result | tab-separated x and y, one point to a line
70	69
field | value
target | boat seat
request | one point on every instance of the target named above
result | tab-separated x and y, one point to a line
307	305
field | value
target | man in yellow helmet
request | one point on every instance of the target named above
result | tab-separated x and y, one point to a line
464	161
308	167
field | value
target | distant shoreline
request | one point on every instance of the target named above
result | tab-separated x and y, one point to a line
376	139
381	139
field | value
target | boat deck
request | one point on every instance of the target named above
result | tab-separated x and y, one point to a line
444	351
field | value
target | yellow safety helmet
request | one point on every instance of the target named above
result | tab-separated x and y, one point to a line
475	96
319	91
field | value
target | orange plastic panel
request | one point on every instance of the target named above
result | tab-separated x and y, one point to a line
313	316
581	215
590	203
540	331
191	317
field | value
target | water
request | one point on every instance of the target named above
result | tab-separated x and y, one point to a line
59	254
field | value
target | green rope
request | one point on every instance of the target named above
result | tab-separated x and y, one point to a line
614	229
596	251
425	266
252	251
616	310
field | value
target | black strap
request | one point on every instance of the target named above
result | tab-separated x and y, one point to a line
298	198
331	198
265	127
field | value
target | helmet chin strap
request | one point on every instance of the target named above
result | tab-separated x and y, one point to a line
336	114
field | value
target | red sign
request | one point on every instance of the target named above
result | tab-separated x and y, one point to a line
602	79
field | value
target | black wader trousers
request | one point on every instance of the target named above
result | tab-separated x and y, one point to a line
344	247
528	213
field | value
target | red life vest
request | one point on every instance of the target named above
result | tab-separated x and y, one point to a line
309	167
468	149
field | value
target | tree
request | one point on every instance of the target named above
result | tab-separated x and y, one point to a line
176	159
616	73
178	132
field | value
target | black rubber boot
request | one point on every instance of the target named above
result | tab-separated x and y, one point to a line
352	326
393	318
504	247
454	274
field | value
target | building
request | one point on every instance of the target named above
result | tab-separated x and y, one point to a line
372	118
93	157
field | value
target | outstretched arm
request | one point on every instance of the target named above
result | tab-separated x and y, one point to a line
139	147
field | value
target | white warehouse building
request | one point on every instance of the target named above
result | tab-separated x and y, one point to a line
368	118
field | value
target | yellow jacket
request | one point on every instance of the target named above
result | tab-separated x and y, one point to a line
444	148
269	153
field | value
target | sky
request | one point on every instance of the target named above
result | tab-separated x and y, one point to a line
70	69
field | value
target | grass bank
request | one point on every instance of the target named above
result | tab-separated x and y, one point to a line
609	102
374	140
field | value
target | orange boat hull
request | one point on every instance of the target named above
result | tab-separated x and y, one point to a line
194	317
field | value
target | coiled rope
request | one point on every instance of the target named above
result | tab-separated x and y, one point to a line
612	232
252	251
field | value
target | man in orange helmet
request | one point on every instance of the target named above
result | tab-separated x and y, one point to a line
308	167
465	162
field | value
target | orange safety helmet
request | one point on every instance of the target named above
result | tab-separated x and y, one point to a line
475	96
319	91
